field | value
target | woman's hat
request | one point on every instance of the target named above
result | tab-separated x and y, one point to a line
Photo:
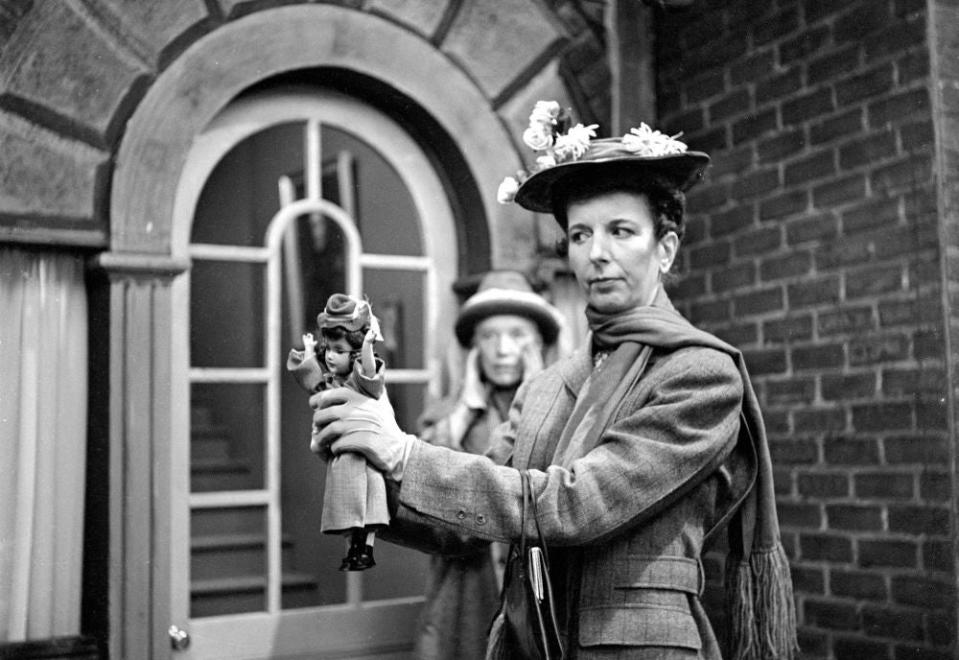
681	169
345	312
570	151
506	292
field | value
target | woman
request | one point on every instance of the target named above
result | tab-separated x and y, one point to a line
508	331
639	447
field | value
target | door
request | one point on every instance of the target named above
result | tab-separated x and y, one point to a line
291	196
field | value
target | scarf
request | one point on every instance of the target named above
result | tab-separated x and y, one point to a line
758	586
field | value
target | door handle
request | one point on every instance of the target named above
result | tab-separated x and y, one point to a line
179	638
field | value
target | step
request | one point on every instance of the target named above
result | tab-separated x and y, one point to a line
247	594
212	442
212	474
225	555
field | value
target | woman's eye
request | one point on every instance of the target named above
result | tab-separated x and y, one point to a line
577	237
623	232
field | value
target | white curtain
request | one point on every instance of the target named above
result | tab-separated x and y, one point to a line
43	422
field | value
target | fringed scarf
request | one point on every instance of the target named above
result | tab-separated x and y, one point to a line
759	595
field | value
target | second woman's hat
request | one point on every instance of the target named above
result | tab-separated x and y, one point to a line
343	311
507	292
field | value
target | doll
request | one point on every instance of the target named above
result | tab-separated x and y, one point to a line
352	506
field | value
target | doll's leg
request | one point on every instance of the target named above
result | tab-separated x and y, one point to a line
377	515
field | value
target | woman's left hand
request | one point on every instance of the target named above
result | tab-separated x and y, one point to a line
532	357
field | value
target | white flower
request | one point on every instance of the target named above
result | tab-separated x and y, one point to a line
544	161
575	142
538	138
507	190
544	112
646	142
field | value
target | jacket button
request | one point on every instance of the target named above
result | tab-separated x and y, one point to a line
480	519
460	515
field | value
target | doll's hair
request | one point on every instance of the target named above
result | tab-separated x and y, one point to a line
353	337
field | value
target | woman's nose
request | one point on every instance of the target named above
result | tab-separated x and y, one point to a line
598	247
505	345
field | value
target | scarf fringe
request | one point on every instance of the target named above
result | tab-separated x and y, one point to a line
760	607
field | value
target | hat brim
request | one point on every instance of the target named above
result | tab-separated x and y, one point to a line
684	170
492	303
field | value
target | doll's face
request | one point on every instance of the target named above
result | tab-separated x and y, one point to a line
337	356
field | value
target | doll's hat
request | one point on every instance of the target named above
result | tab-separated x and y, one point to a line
346	312
506	292
613	156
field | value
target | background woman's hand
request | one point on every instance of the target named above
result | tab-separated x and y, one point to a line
532	357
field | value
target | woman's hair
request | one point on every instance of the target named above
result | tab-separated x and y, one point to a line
666	201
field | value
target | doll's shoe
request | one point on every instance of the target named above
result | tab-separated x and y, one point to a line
347	561
362	559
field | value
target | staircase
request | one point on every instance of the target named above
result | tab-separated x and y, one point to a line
228	546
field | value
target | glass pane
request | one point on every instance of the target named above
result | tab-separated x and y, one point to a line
226	314
226	436
227	561
397	299
241	195
382	206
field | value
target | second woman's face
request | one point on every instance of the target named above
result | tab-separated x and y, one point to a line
614	253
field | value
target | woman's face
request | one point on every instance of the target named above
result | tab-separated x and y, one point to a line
502	341
614	253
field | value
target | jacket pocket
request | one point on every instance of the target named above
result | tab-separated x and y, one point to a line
648	605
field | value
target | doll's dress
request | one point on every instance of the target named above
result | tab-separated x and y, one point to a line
355	493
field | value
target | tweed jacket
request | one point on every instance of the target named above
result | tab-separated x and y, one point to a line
626	520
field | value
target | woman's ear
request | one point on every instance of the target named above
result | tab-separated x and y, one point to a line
668	247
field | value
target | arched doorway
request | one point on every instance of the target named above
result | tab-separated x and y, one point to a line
252	576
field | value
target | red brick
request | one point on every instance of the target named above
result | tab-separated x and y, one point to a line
809	579
886	553
819	356
707	197
707	84
899	108
868	150
919	381
854	517
885	485
794	514
755	183
838	127
835	193
760	301
787	266
776	26
794	390
777	422
794	452
845	320
780	146
823	485
739	334
896	38
843	387
690	119
803	46
819	420
792	328
763	362
851	451
756	65
876	281
855	648
824	547
802	109
815	10
882	417
818	166
921	592
833	65
710	255
902	175
731	221
872	213
941	629
689	286
753	126
919	449
858	584
932	415
912	67
782	85
873	82
732	162
818	291
710	311
938	556
928	345
911	652
734	103
920	520
820	227
865	18
830	615
898	623
734	277
763	240
935	487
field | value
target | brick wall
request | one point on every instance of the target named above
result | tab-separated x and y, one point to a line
814	245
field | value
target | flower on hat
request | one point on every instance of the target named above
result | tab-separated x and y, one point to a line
644	141
507	190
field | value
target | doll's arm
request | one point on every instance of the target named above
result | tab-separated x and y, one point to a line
367	358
